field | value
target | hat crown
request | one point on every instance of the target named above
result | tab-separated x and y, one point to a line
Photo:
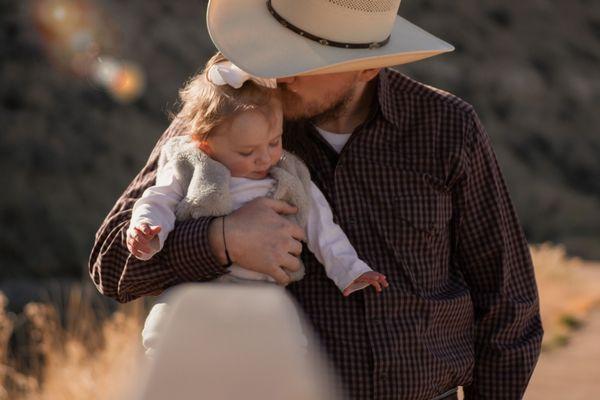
347	21
368	5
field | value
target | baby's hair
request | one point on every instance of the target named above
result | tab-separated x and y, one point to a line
205	105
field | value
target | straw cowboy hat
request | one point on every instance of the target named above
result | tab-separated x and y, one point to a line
279	38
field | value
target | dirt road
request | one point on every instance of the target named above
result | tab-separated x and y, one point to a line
571	372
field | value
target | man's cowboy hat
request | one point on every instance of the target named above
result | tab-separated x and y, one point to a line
279	38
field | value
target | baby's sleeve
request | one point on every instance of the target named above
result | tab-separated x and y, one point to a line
157	204
327	241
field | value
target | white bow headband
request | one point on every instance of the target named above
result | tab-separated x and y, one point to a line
227	73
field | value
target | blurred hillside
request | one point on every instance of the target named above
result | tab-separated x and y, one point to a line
68	149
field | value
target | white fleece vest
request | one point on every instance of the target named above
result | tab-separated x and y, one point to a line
207	184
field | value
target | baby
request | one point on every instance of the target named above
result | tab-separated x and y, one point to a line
232	156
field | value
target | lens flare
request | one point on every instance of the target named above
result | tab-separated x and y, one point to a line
78	37
125	81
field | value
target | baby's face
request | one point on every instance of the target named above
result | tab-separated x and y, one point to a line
250	144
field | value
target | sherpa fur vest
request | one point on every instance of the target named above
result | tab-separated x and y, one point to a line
207	183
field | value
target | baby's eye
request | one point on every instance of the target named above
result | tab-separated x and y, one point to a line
274	143
245	154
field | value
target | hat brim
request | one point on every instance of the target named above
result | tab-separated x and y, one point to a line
247	34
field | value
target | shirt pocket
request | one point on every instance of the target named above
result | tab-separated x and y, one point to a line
421	239
426	213
417	237
405	230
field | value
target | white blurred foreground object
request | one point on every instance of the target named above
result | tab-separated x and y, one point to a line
234	342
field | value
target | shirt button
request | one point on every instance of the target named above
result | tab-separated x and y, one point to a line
377	322
351	221
383	376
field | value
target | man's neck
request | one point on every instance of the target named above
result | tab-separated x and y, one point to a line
356	111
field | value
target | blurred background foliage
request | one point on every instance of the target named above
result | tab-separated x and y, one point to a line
86	87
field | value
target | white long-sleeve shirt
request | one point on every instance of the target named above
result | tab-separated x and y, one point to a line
325	239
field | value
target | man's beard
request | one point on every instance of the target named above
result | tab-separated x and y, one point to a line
295	109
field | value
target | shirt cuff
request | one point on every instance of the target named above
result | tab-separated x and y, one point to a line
188	251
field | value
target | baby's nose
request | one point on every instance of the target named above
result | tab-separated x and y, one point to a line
263	158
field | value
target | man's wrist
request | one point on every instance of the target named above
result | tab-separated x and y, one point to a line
188	251
229	262
215	239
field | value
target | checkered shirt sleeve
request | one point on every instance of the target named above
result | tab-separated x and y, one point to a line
496	262
186	256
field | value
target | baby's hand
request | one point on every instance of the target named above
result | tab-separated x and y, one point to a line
139	240
375	279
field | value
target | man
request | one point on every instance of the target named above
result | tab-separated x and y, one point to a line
412	179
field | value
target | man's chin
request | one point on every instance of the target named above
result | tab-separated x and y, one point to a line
305	115
294	112
294	115
315	113
302	111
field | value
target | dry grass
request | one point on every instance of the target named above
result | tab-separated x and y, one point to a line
87	355
83	355
569	288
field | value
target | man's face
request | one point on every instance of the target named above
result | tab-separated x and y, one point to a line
318	97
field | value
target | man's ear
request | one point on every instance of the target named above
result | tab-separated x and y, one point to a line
367	74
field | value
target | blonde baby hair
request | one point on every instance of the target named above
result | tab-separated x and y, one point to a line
205	105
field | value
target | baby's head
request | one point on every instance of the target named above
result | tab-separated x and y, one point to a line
240	128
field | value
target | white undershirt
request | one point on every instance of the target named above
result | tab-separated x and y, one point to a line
325	239
336	140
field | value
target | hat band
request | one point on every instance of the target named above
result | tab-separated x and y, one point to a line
320	40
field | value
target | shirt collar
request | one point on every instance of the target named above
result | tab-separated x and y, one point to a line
390	84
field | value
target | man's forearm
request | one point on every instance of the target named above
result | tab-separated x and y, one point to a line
186	257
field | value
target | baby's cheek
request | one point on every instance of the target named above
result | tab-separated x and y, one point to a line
276	156
240	168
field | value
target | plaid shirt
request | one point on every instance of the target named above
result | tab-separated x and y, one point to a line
418	191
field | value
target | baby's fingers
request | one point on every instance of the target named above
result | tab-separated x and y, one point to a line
139	243
148	231
144	231
144	228
154	230
383	281
139	237
376	285
139	254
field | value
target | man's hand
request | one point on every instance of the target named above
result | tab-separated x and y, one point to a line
260	239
